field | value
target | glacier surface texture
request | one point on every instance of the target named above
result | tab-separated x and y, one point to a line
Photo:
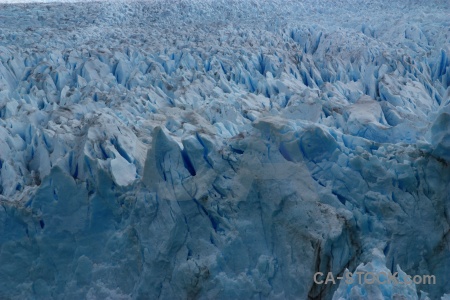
223	149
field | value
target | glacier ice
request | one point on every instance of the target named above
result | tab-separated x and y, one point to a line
398	285
223	149
389	289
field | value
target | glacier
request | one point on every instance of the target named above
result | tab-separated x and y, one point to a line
223	149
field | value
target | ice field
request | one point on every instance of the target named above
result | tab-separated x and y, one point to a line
223	149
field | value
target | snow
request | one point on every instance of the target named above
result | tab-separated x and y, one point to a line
122	171
223	149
